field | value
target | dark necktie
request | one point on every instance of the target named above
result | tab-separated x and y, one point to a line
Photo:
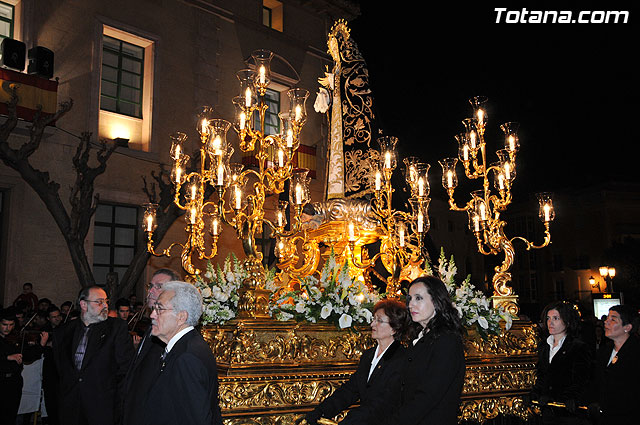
82	348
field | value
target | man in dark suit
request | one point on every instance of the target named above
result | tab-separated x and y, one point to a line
145	367
186	390
91	355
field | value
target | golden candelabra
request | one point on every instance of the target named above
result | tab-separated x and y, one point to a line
484	207
401	233
244	189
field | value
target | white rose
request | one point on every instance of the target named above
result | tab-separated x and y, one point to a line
206	292
345	321
326	311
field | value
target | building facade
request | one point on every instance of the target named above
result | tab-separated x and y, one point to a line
137	71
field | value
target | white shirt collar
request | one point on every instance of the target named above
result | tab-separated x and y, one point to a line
553	350
376	359
176	337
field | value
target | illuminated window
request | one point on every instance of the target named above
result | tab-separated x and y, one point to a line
272	14
122	77
6	20
126	64
114	240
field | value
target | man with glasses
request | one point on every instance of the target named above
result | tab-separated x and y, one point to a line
186	390
92	355
145	366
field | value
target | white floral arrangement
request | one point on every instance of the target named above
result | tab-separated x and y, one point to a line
335	297
474	308
219	288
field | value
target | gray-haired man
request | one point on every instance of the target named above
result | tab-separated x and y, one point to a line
186	390
145	367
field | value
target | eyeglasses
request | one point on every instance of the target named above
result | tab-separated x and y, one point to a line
159	309
378	321
101	301
151	285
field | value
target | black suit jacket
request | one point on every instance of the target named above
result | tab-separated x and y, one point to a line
358	389
617	384
186	390
94	390
568	375
430	383
141	375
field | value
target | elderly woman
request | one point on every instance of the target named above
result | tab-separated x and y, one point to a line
618	369
378	367
564	364
433	369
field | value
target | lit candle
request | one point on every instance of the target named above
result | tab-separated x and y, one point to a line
243	119
279	218
480	116
149	223
465	153
472	139
387	160
298	194
193	215
280	158
215	226
401	236
421	186
420	222
290	138
178	174
352	231
449	179
238	198
220	174
217	145
298	113
378	180
483	212
547	212
203	125
262	75
247	97
194	189
512	142
507	171
476	223
177	152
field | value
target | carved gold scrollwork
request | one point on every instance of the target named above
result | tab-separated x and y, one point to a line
482	410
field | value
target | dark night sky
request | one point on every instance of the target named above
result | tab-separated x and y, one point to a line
572	88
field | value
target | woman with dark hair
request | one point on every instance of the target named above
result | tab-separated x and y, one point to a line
433	369
564	365
618	369
378	367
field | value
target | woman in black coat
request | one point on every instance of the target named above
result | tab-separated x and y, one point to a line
618	369
378	367
564	365
433	370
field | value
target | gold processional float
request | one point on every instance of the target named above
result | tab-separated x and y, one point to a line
271	371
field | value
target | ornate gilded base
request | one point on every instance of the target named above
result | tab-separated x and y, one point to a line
507	302
273	372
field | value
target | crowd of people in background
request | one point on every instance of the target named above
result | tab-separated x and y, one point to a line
111	363
133	363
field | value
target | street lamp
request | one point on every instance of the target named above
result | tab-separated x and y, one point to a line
594	284
610	272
